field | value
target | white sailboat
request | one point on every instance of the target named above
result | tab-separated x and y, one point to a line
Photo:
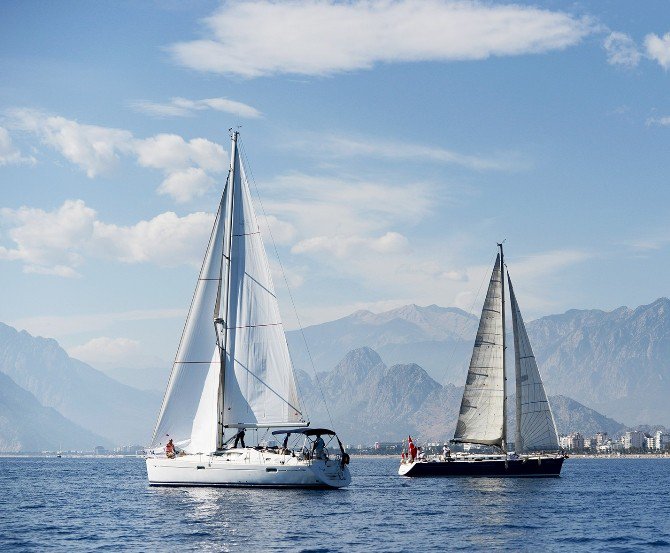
482	418
233	373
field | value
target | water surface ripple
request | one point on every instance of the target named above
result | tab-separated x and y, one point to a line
104	504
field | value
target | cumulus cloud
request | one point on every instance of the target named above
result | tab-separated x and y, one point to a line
94	149
621	50
313	37
186	165
183	107
658	49
10	154
57	242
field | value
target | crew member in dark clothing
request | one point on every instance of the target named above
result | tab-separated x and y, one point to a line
239	438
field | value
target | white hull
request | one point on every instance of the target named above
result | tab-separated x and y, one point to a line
247	467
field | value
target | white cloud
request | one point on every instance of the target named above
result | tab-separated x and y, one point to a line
183	107
57	242
185	164
166	240
94	149
313	37
10	154
338	146
185	185
106	351
663	121
48	242
344	246
621	50
658	49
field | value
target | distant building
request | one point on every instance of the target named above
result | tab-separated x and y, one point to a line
572	442
100	450
634	439
661	440
601	438
650	443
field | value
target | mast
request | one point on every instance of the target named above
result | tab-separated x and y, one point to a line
223	322
502	284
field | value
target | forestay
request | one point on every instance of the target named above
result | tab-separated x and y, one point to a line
481	416
535	426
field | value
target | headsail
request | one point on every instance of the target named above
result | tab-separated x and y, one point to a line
235	286
481	418
189	411
535	426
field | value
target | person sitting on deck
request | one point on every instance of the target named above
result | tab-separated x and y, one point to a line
170	450
239	438
319	446
422	455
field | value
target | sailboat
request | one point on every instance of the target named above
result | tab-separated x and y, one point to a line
232	377
482	419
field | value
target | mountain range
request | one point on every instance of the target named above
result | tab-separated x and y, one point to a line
383	375
86	397
618	362
368	401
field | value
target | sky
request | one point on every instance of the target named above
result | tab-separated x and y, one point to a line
391	145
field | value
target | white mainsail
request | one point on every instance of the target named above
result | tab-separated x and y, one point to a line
535	426
260	388
234	286
481	419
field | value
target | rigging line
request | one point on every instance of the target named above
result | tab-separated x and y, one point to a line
288	288
459	333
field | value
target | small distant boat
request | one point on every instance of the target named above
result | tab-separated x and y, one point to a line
233	374
483	415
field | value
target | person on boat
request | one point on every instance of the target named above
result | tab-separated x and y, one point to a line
412	448
421	455
170	450
319	446
446	452
239	438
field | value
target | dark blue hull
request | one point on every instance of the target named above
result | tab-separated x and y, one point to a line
534	467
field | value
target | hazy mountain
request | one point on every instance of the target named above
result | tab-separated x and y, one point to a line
437	338
26	425
149	378
618	361
369	402
76	390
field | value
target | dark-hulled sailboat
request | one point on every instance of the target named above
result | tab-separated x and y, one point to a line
483	415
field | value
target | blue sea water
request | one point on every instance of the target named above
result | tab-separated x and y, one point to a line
106	504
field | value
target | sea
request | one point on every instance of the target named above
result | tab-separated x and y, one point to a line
99	504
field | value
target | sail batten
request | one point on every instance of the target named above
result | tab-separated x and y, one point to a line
535	426
481	417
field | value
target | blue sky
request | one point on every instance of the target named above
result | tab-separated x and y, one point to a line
393	143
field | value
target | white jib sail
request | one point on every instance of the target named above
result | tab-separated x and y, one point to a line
481	416
259	384
189	411
535	426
